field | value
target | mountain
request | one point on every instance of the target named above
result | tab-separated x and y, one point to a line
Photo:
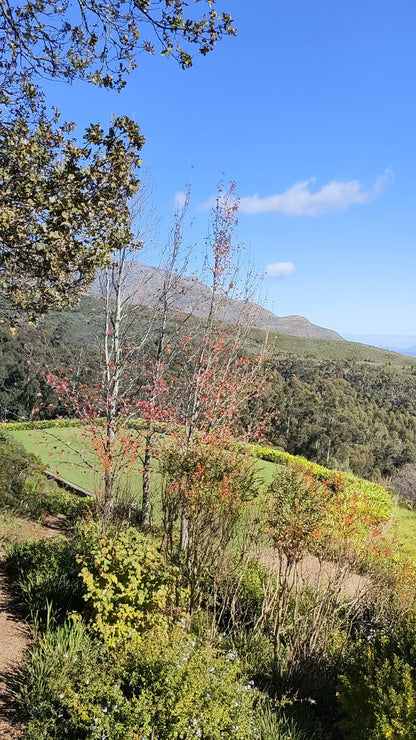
190	295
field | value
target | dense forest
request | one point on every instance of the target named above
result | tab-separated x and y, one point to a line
358	416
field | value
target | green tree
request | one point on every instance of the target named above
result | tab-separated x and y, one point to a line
63	207
99	41
55	195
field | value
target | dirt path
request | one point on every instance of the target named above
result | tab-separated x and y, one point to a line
14	632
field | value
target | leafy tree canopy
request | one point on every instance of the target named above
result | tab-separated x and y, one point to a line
99	40
63	206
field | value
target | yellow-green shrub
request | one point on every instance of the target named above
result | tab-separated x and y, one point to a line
129	586
186	688
170	687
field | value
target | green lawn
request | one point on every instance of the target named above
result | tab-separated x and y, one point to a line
67	451
265	469
404	524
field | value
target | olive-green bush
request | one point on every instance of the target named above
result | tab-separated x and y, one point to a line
377	690
47	573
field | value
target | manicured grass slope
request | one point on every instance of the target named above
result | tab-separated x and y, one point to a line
66	452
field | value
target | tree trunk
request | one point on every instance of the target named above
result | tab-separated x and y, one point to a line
145	516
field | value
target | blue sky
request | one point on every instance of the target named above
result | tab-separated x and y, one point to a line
312	111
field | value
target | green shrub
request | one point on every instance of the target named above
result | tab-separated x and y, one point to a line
15	426
294	511
256	654
15	464
169	688
209	489
374	501
47	573
70	688
377	691
273	724
251	595
187	688
129	586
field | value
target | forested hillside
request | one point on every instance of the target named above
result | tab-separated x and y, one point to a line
340	404
348	414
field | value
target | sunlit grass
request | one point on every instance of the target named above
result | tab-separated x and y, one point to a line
68	453
404	525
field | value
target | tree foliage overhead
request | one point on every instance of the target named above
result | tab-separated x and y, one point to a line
99	40
63	207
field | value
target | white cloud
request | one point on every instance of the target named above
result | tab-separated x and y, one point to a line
180	200
280	269
226	200
300	200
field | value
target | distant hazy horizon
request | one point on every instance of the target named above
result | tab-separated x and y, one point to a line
396	341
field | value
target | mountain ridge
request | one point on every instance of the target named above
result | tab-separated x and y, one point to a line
144	284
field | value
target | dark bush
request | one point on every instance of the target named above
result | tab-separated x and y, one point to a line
47	573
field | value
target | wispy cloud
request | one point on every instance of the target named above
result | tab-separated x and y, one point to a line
180	200
280	269
301	199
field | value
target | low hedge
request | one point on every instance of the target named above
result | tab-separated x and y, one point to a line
16	426
374	497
